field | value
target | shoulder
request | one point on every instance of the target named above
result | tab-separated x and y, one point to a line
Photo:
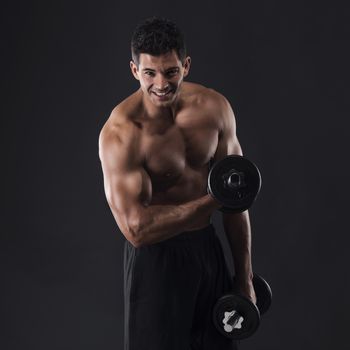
212	101
205	96
120	132
222	107
121	122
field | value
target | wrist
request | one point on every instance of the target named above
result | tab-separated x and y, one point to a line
244	278
215	204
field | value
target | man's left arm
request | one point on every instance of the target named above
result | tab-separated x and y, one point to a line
236	225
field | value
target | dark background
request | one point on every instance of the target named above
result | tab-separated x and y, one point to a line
283	65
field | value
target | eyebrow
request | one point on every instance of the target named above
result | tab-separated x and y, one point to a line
171	68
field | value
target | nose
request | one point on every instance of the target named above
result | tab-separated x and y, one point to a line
160	83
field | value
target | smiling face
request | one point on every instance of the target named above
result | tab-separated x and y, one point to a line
160	76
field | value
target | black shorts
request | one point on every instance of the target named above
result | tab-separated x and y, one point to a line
170	289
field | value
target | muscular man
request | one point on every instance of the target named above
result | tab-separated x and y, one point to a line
155	151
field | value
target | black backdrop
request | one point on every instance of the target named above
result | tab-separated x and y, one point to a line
284	67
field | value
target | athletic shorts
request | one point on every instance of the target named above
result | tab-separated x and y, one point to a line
170	289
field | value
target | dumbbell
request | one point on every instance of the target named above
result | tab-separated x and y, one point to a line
236	317
235	182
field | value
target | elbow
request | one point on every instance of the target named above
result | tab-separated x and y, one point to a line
130	223
135	241
134	235
136	244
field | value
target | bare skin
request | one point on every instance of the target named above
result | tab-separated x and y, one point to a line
155	150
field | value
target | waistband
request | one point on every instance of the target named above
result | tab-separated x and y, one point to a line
204	234
193	235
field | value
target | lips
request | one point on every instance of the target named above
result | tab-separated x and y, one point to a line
162	94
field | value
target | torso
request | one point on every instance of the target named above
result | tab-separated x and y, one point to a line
176	153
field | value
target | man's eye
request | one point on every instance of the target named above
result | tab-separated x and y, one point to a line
149	73
172	73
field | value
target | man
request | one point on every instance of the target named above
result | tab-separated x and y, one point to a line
155	151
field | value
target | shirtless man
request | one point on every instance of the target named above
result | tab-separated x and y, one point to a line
155	151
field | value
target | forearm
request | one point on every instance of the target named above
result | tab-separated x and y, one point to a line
160	222
237	229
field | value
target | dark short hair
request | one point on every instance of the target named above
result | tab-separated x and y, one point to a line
157	36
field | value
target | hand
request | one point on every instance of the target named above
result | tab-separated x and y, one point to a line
246	289
216	204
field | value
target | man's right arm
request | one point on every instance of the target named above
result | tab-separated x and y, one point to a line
128	191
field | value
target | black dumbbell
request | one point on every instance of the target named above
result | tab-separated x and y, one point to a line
235	182
236	317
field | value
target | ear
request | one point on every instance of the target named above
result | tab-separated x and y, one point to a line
187	65
134	70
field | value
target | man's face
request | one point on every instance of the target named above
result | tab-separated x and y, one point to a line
160	76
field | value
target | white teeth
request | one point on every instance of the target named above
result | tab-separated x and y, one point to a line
161	94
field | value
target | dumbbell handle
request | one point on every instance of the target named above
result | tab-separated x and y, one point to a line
233	320
234	180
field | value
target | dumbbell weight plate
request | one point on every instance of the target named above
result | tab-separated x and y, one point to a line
249	312
263	293
242	196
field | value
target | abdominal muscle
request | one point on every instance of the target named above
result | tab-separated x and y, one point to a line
191	185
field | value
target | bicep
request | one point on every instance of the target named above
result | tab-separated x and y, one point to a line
126	190
127	185
228	142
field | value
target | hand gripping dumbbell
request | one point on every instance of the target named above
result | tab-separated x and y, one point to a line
235	182
236	317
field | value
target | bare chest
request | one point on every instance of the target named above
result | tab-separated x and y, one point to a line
178	155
